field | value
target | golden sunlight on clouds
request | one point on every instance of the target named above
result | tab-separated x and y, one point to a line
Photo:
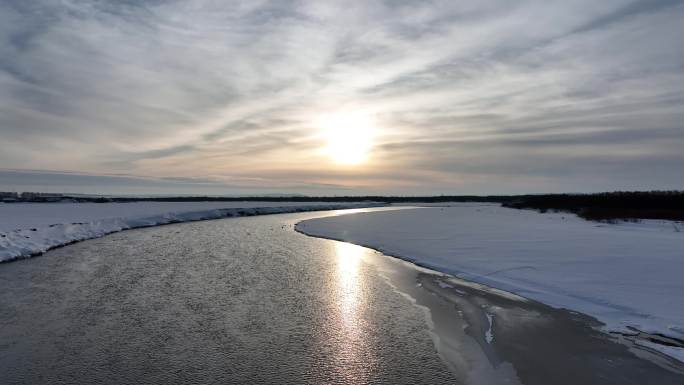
348	136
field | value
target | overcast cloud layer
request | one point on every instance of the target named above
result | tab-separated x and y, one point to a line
223	97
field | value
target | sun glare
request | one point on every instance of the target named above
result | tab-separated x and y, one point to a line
349	137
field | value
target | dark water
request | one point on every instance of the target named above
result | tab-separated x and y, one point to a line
228	301
248	300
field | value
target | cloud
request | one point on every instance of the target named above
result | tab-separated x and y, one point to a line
105	184
461	92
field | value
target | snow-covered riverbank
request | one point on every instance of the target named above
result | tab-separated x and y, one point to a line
627	275
28	229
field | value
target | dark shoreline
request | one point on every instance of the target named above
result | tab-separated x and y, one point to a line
606	206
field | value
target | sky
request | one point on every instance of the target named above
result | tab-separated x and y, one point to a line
341	97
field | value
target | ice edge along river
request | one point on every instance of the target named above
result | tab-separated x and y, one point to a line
28	230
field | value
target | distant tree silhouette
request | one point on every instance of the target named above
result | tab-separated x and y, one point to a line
610	205
599	206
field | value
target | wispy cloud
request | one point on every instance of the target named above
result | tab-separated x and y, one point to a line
492	96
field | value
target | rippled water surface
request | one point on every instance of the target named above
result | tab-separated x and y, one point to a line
243	300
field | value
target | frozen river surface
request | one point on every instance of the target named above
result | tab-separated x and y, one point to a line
249	300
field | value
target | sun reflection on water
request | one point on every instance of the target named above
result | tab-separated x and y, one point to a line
348	260
355	358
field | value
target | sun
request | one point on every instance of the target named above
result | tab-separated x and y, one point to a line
348	137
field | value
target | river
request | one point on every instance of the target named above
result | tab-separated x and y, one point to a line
249	300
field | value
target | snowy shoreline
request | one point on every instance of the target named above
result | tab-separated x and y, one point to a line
28	230
626	276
